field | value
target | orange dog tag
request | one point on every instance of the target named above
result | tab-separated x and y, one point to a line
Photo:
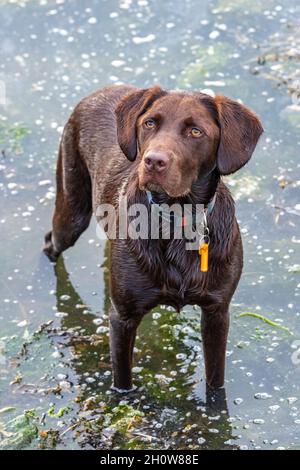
203	252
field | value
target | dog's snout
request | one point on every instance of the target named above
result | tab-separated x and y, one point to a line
156	161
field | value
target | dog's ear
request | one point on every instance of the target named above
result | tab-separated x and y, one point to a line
128	111
240	130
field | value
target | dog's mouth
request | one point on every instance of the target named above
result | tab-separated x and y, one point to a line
168	182
154	186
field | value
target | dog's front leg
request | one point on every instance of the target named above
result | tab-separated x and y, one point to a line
214	329
122	338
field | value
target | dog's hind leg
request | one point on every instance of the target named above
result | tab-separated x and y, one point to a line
73	206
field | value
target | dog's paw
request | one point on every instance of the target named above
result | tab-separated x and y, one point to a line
49	248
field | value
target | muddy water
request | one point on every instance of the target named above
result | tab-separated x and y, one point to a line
55	371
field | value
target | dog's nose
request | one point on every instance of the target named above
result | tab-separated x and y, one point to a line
156	161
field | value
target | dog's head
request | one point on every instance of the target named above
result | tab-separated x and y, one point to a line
181	137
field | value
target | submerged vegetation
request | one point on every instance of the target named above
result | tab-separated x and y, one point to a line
207	61
279	59
11	137
19	432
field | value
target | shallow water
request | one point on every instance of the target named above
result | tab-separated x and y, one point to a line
52	55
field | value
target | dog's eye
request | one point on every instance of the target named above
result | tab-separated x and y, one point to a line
149	124
195	132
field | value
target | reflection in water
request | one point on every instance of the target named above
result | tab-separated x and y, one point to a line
203	423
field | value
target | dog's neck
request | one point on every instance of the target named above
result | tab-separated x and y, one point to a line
204	189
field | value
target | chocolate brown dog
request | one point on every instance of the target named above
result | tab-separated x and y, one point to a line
122	140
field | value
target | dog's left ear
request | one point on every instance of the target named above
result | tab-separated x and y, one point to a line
128	111
240	130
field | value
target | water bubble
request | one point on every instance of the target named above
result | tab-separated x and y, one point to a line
92	20
45	182
144	39
291	400
61	376
262	396
118	63
65	297
238	401
201	440
90	380
258	421
274	408
65	385
214	34
61	314
56	354
156	315
181	356
102	329
270	359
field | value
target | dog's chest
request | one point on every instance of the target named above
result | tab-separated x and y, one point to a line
179	298
182	281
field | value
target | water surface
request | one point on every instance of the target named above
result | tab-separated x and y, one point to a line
54	355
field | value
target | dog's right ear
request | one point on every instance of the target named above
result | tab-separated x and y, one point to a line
128	111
